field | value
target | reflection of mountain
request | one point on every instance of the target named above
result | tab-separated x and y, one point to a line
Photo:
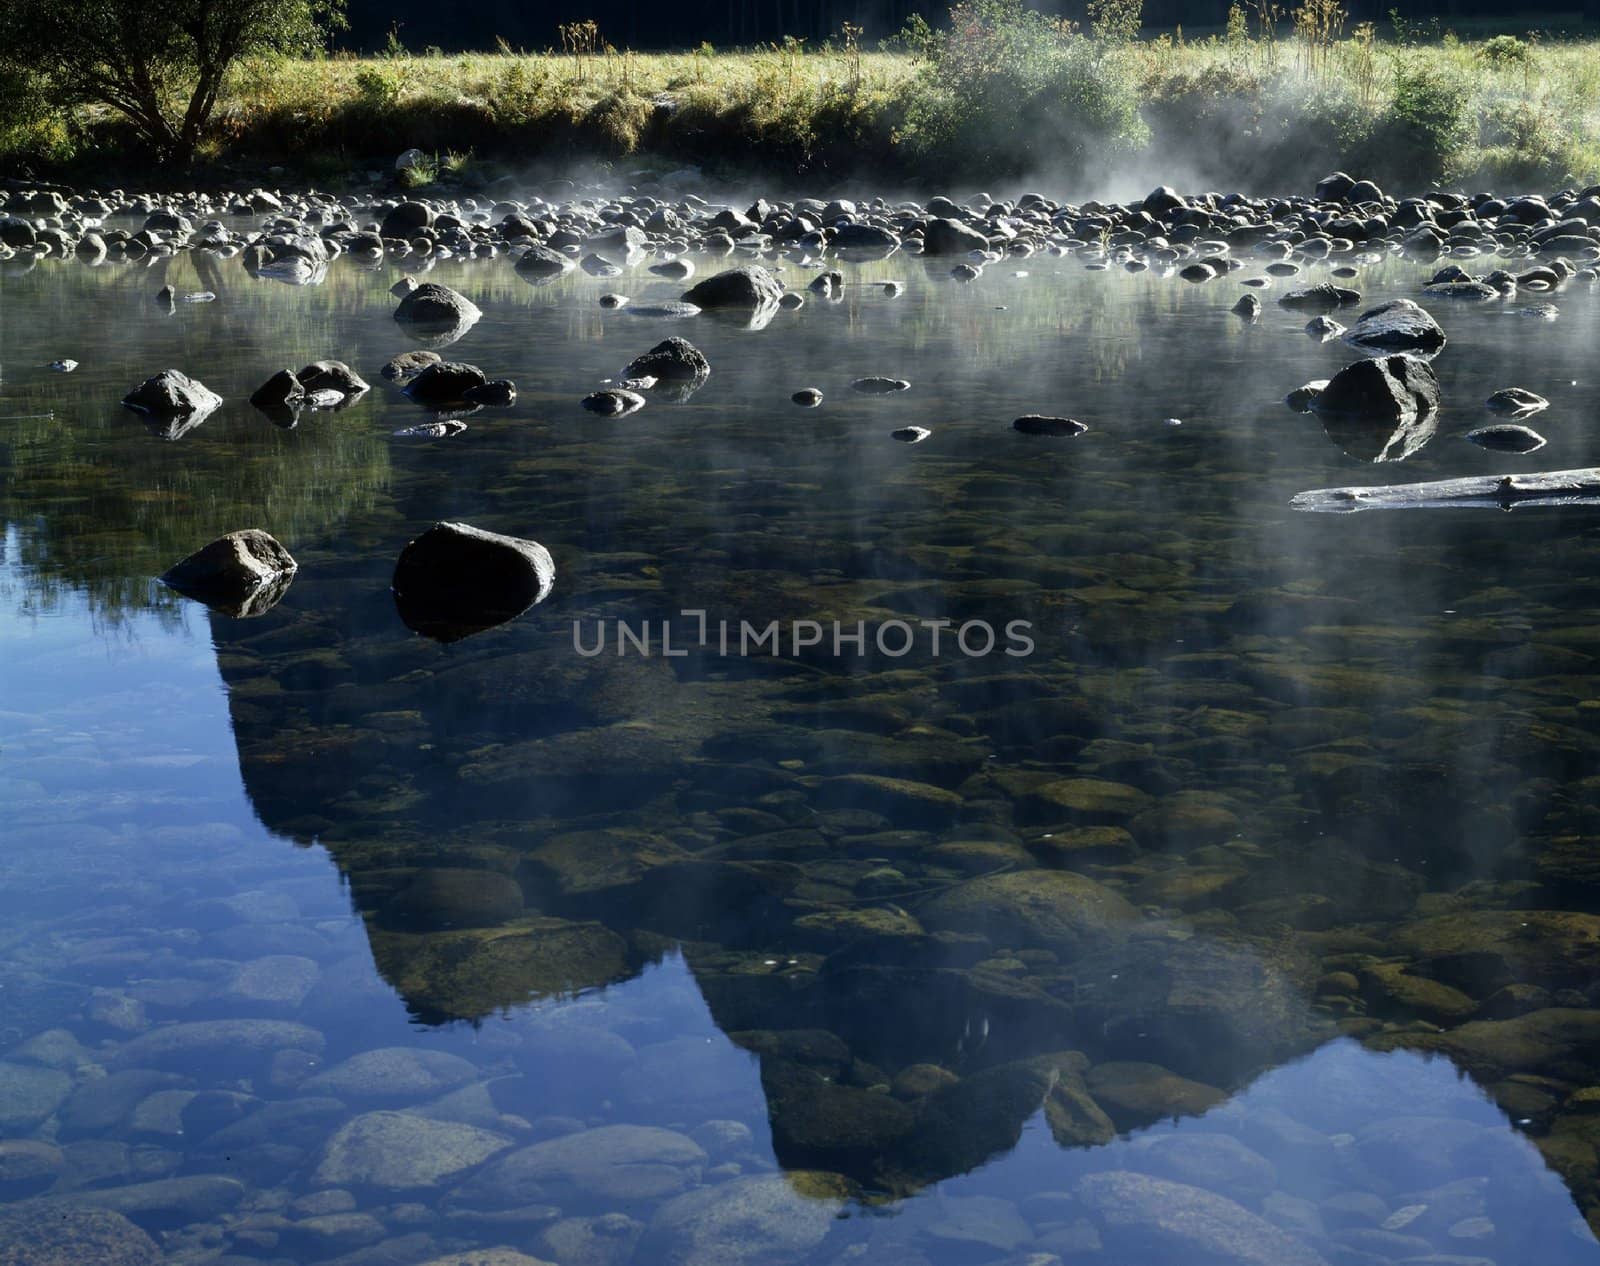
517	821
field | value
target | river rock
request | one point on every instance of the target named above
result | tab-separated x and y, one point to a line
750	1221
748	287
241	574
1034	909
1152	1219
496	392
613	1164
807	397
172	393
409	364
1397	326
951	237
1323	297
1507	438
541	265
215	1044
456	579
614	403
1517	401
879	386
50	1234
392	1073
1386	389
1035	424
332	375
671	360
167	1202
397	1151
282	391
910	434
444	383
432	304
28	1095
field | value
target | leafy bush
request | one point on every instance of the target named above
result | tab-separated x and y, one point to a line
1007	90
1428	126
1506	50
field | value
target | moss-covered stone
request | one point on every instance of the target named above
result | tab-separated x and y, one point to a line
1043	909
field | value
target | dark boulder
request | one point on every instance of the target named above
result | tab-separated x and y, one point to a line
444	383
540	264
1397	326
433	304
172	393
282	391
1389	388
241	574
456	580
404	221
748	287
1035	424
951	237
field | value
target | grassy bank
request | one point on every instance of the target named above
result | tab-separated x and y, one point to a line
1004	95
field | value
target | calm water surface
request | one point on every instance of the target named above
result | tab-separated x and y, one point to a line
1250	918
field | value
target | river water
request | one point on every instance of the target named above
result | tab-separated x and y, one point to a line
1243	912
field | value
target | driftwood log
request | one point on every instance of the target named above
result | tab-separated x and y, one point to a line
1503	492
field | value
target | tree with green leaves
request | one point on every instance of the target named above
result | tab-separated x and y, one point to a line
159	63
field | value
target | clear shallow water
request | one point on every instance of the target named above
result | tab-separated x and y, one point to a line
1339	777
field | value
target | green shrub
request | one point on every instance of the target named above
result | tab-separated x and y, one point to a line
1506	50
1425	134
1007	90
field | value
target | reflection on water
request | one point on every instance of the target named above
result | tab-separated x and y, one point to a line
1248	919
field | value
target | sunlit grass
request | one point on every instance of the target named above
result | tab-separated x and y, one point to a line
1247	105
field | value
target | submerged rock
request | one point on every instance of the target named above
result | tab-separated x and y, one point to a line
807	397
611	1164
1152	1219
397	1151
750	1221
279	394
1055	910
241	574
456	580
55	1234
910	434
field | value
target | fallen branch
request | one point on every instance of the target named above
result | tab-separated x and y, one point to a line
1504	492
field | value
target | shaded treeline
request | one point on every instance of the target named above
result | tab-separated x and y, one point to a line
643	25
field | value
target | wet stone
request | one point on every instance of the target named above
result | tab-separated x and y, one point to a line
393	1073
621	1164
397	1151
28	1095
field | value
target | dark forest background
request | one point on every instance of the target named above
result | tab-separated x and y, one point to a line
683	24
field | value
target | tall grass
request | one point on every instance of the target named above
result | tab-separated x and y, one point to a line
1279	98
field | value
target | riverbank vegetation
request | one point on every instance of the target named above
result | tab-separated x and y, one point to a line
1279	97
